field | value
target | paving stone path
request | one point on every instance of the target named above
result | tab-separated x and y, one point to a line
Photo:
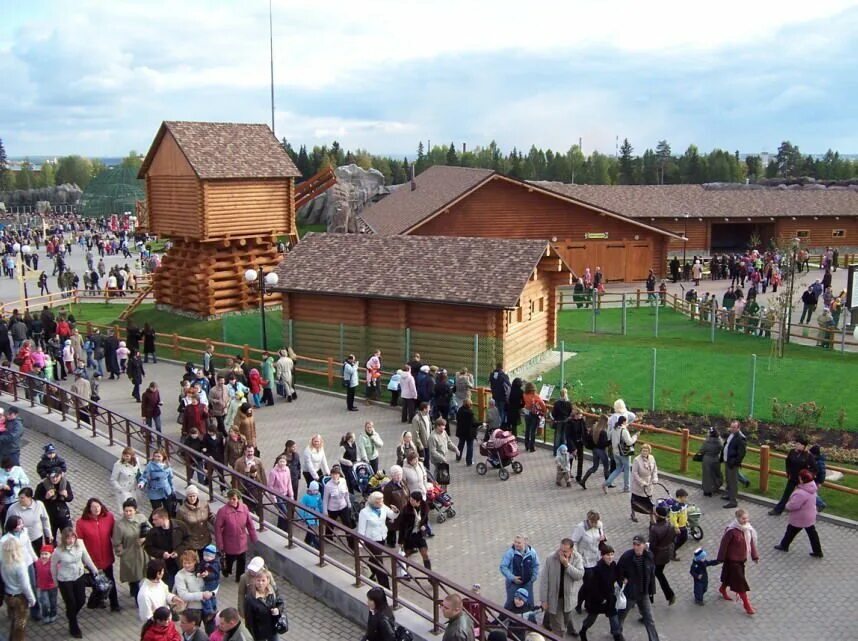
797	597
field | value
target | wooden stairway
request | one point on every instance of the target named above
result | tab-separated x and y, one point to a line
142	293
305	191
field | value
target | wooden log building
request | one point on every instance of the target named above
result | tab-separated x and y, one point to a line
626	230
724	218
458	201
347	293
222	193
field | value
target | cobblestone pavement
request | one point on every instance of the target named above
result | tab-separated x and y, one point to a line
308	618
797	597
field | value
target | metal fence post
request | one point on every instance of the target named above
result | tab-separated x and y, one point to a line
562	364
407	343
652	387
843	339
476	356
593	303
656	318
291	333
753	384
624	321
342	348
714	311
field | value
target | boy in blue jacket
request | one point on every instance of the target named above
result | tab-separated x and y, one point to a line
700	574
313	500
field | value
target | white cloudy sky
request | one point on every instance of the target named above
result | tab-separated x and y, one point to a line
96	77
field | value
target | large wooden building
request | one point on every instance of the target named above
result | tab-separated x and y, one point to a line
459	302
222	193
456	201
720	218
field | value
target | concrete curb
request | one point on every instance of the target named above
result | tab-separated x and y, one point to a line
327	584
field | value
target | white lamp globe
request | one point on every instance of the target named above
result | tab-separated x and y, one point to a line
16	247
250	275
26	249
271	279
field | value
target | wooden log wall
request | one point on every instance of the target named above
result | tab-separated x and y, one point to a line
207	279
243	207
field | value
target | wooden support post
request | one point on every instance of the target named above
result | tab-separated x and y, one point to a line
683	450
245	351
638	297
482	403
175	345
764	469
330	372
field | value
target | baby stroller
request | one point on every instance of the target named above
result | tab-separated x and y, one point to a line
362	476
646	505
694	516
500	450
439	500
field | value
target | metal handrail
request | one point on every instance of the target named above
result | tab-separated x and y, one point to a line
421	594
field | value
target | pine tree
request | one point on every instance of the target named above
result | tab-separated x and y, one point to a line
4	162
662	151
420	164
452	158
627	164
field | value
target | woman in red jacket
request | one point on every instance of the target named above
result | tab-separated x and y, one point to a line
160	627
234	530
95	529
737	545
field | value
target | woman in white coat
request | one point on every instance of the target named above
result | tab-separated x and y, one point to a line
283	371
124	478
372	524
588	536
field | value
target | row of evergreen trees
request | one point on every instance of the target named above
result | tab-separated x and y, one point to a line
653	167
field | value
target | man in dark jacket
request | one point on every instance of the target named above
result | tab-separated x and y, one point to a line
499	382
733	455
10	437
810	299
599	594
166	540
661	544
636	570
797	460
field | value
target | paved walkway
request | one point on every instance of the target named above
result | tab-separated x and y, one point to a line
308	618
797	597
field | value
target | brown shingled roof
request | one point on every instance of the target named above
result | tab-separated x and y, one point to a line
436	186
674	201
227	150
485	272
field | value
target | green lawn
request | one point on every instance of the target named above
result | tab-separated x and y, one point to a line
695	375
304	229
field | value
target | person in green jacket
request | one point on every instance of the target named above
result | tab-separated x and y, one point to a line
267	371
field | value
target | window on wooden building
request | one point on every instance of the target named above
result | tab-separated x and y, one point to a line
802	233
542	303
519	314
532	308
838	233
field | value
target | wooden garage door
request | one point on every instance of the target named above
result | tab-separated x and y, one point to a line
619	260
638	260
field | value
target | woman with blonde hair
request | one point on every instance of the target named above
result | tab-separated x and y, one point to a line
534	409
125	476
263	608
406	445
313	460
644	476
372	524
69	563
19	594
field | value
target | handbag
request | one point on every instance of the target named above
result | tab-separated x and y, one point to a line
626	450
282	624
698	458
620	598
443	474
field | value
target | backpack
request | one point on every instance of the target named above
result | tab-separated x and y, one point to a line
401	634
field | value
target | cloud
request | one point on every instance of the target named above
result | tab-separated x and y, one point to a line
97	78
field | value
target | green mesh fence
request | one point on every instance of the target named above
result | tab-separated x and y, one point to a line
246	329
113	191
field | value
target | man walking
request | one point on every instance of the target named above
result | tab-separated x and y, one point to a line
520	569
459	624
636	571
500	385
557	587
10	437
734	454
810	300
797	460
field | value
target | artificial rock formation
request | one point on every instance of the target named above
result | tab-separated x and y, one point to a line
339	207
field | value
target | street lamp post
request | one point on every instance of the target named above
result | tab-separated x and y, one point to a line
684	243
22	251
263	283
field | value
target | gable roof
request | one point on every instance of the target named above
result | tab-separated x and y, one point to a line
440	186
484	272
437	186
219	150
700	201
